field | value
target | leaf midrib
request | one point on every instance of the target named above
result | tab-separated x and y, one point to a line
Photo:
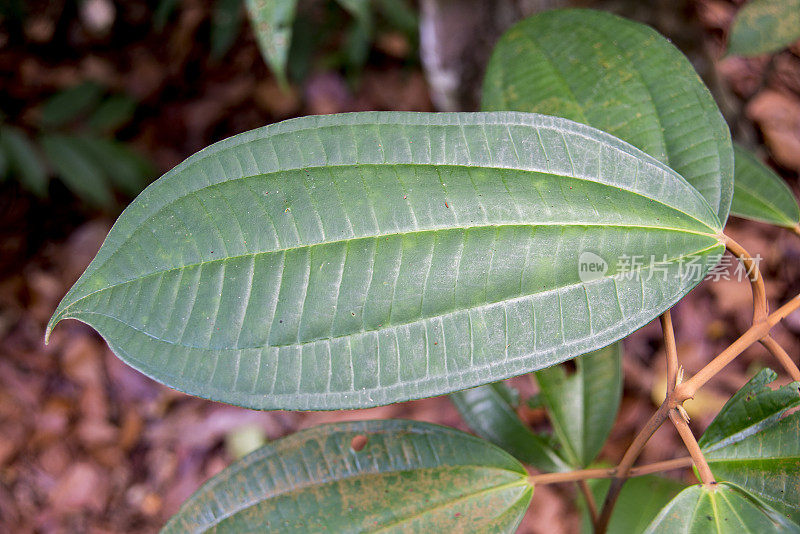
556	289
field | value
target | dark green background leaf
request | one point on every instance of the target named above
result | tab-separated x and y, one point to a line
760	194
23	159
638	503
488	412
272	24
763	26
409	477
583	406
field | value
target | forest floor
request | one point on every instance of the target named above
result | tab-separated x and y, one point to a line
88	444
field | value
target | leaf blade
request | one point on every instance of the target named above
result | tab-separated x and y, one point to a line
621	77
272	23
228	217
432	475
488	413
583	407
763	26
760	194
725	507
749	445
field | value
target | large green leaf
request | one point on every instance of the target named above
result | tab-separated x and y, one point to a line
723	508
408	477
583	406
488	412
623	78
638	503
362	259
272	23
764	26
748	443
760	194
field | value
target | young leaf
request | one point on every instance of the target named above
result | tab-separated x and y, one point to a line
368	258
763	26
723	508
69	104
272	23
365	476
623	78
638	503
760	194
748	443
23	159
77	169
226	23
582	407
487	411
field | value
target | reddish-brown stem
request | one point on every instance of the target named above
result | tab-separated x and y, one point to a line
670	350
589	498
795	229
756	332
776	350
706	477
760	306
585	474
625	465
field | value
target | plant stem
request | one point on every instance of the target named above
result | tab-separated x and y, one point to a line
776	350
623	469
698	458
589	498
795	229
670	350
760	305
755	333
585	474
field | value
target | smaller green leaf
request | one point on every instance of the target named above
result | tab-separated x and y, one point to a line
24	160
113	113
489	412
123	167
754	407
638	503
272	23
77	169
760	194
764	26
366	476
71	103
226	23
748	444
722	508
582	407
